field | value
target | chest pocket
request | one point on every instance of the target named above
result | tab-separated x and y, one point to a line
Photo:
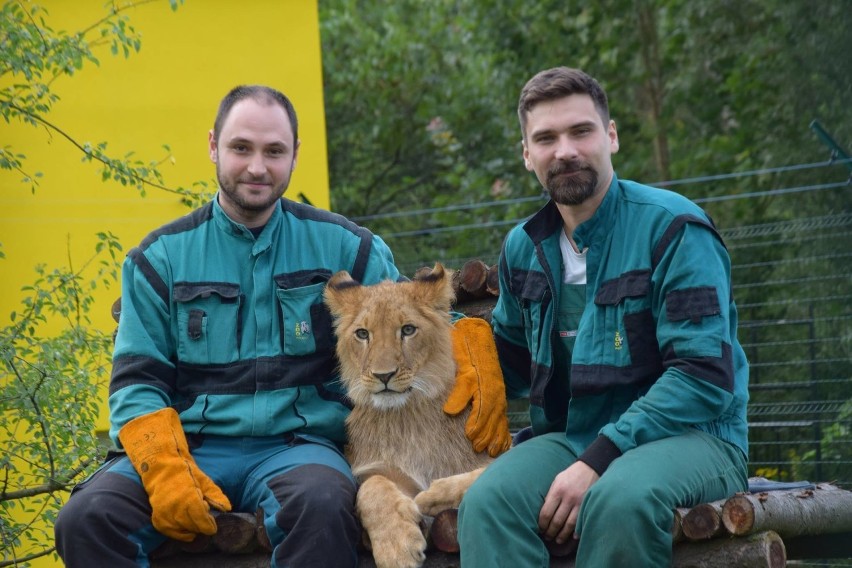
624	311
534	299
305	320
208	319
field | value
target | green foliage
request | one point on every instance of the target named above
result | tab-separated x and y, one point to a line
49	405
834	450
420	103
54	362
34	56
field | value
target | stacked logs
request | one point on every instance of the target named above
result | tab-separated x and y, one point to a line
767	527
475	280
475	286
748	530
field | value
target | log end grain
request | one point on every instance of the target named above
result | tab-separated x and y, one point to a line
738	515
472	277
702	522
777	553
444	532
492	281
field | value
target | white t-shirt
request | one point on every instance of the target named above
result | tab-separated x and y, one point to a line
574	263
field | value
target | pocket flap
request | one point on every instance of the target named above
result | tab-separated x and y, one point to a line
692	304
302	278
188	291
633	284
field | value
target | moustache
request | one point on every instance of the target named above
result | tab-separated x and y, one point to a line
569	167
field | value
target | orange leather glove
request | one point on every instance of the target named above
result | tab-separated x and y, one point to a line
479	383
181	494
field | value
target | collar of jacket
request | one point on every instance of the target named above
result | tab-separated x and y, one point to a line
601	223
238	230
548	221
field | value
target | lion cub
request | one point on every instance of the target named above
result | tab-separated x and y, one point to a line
396	363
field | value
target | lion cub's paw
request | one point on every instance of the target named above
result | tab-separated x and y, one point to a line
445	493
440	496
399	542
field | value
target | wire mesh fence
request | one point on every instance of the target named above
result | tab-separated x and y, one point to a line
795	321
793	286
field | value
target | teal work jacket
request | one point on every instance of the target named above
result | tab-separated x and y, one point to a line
231	330
656	351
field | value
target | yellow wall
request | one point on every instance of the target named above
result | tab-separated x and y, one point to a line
165	94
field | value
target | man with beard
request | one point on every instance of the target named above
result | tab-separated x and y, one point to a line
224	392
616	319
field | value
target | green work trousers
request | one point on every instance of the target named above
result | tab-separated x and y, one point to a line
626	516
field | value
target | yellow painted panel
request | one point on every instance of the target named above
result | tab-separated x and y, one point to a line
165	94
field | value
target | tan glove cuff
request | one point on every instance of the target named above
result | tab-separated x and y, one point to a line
147	437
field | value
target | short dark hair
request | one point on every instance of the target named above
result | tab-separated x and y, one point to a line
556	83
260	93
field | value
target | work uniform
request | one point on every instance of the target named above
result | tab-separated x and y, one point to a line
229	328
654	398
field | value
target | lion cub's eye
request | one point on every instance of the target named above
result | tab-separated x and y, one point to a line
408	329
362	334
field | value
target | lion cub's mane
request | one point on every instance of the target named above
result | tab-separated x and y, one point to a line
401	328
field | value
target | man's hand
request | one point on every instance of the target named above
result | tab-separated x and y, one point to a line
181	494
479	383
558	515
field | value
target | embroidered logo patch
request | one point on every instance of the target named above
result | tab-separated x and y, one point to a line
619	341
303	330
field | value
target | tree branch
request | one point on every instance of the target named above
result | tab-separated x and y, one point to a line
114	11
48	487
27	558
92	154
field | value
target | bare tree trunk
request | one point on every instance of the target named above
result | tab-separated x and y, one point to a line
653	89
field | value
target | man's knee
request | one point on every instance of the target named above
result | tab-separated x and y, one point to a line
611	502
98	518
316	518
497	489
314	490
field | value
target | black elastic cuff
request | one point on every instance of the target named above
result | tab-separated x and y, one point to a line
600	454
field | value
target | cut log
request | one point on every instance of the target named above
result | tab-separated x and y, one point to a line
760	550
444	531
824	510
704	521
462	295
472	277
492	281
677	524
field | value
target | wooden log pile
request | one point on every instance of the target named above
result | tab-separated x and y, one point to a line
475	286
748	530
766	528
473	282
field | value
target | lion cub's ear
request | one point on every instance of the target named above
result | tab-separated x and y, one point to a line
340	291
436	288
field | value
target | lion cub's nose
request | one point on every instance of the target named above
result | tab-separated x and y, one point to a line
385	377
